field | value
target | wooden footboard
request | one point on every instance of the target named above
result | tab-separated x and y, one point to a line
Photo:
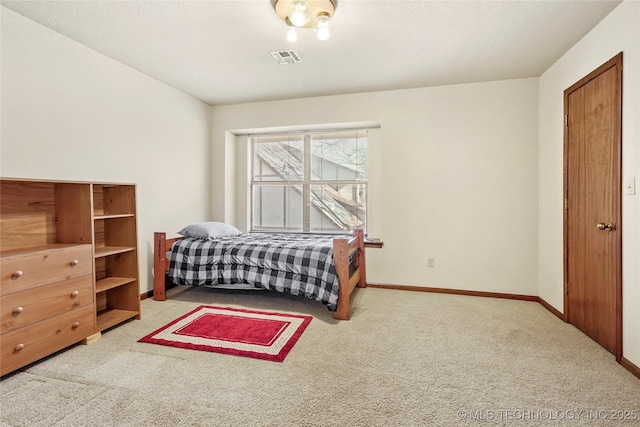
349	277
343	249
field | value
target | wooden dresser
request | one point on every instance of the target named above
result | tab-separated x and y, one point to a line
46	301
68	265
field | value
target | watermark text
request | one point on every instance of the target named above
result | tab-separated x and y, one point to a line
549	414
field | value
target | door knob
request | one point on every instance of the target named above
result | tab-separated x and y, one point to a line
605	226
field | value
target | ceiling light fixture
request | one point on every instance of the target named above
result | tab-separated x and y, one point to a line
314	14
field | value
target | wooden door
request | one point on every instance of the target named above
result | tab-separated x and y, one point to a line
593	288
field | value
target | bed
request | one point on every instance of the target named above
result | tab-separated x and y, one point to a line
321	267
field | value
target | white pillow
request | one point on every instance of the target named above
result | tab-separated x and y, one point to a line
209	230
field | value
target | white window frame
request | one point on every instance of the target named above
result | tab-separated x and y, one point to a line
306	182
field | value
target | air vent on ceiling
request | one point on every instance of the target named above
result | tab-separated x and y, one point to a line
286	57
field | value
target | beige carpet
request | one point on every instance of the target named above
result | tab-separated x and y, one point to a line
404	359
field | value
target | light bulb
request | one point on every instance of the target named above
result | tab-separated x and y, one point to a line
291	35
323	27
298	15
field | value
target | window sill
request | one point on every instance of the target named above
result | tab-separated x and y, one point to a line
372	244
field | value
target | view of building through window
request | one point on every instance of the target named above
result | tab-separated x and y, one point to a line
310	182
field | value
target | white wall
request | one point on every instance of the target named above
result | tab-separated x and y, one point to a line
457	179
618	32
70	113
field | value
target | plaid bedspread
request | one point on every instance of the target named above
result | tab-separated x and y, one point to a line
299	264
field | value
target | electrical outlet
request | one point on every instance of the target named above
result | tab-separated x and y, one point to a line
431	262
630	186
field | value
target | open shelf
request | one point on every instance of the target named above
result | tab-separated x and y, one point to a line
112	317
116	272
125	215
113	250
112	282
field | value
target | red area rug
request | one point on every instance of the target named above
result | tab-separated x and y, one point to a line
257	334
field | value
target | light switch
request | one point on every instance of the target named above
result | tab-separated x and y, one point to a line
630	186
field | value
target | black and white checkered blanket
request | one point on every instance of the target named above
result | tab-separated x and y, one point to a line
299	264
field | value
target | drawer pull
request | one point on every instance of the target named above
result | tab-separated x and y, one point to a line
75	326
16	275
18	348
17	311
73	263
74	294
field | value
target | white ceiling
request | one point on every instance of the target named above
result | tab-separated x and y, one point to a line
219	51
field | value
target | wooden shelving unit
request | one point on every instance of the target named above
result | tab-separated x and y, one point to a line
68	264
116	256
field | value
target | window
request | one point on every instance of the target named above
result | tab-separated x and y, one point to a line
309	182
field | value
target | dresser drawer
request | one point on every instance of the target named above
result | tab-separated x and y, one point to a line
23	308
28	344
22	271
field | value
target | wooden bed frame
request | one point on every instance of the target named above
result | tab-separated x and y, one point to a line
343	248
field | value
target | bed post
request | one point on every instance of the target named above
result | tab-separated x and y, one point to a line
341	260
159	259
362	267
